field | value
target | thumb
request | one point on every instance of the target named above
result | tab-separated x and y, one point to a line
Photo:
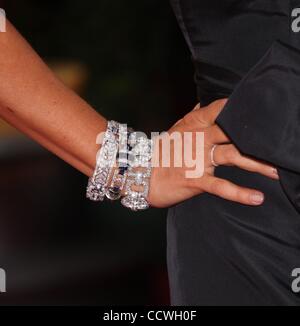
210	113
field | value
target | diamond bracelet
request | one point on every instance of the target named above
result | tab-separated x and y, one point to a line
97	185
114	191
139	174
131	155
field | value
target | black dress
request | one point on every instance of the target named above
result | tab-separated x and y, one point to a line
220	252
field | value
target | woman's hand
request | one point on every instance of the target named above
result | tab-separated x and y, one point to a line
169	185
38	104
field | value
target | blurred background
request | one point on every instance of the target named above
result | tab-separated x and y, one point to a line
130	61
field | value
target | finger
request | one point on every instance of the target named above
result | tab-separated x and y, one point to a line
177	123
211	112
215	135
228	190
230	155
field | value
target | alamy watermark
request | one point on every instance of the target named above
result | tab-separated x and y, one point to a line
2	280
296	20
2	21
296	280
174	149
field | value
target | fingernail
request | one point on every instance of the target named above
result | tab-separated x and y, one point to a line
257	198
275	174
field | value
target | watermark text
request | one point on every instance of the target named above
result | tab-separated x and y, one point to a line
2	281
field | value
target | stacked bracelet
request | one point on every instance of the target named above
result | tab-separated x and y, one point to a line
114	192
137	185
123	168
97	186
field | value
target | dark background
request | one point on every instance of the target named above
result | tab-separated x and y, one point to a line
129	60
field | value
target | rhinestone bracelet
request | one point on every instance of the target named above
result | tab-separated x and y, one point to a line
133	156
137	183
97	185
119	178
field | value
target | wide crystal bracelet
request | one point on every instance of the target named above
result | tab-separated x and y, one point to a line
139	173
98	182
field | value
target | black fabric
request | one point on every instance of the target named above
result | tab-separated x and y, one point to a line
267	106
220	252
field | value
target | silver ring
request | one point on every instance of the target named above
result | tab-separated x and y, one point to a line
213	162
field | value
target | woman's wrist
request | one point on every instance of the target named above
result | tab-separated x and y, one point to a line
123	168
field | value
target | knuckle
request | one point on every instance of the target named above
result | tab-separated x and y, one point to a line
197	118
193	183
218	186
243	196
208	136
232	154
189	118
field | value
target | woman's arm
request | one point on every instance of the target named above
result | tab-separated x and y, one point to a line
34	101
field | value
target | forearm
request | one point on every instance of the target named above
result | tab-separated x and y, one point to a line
34	101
